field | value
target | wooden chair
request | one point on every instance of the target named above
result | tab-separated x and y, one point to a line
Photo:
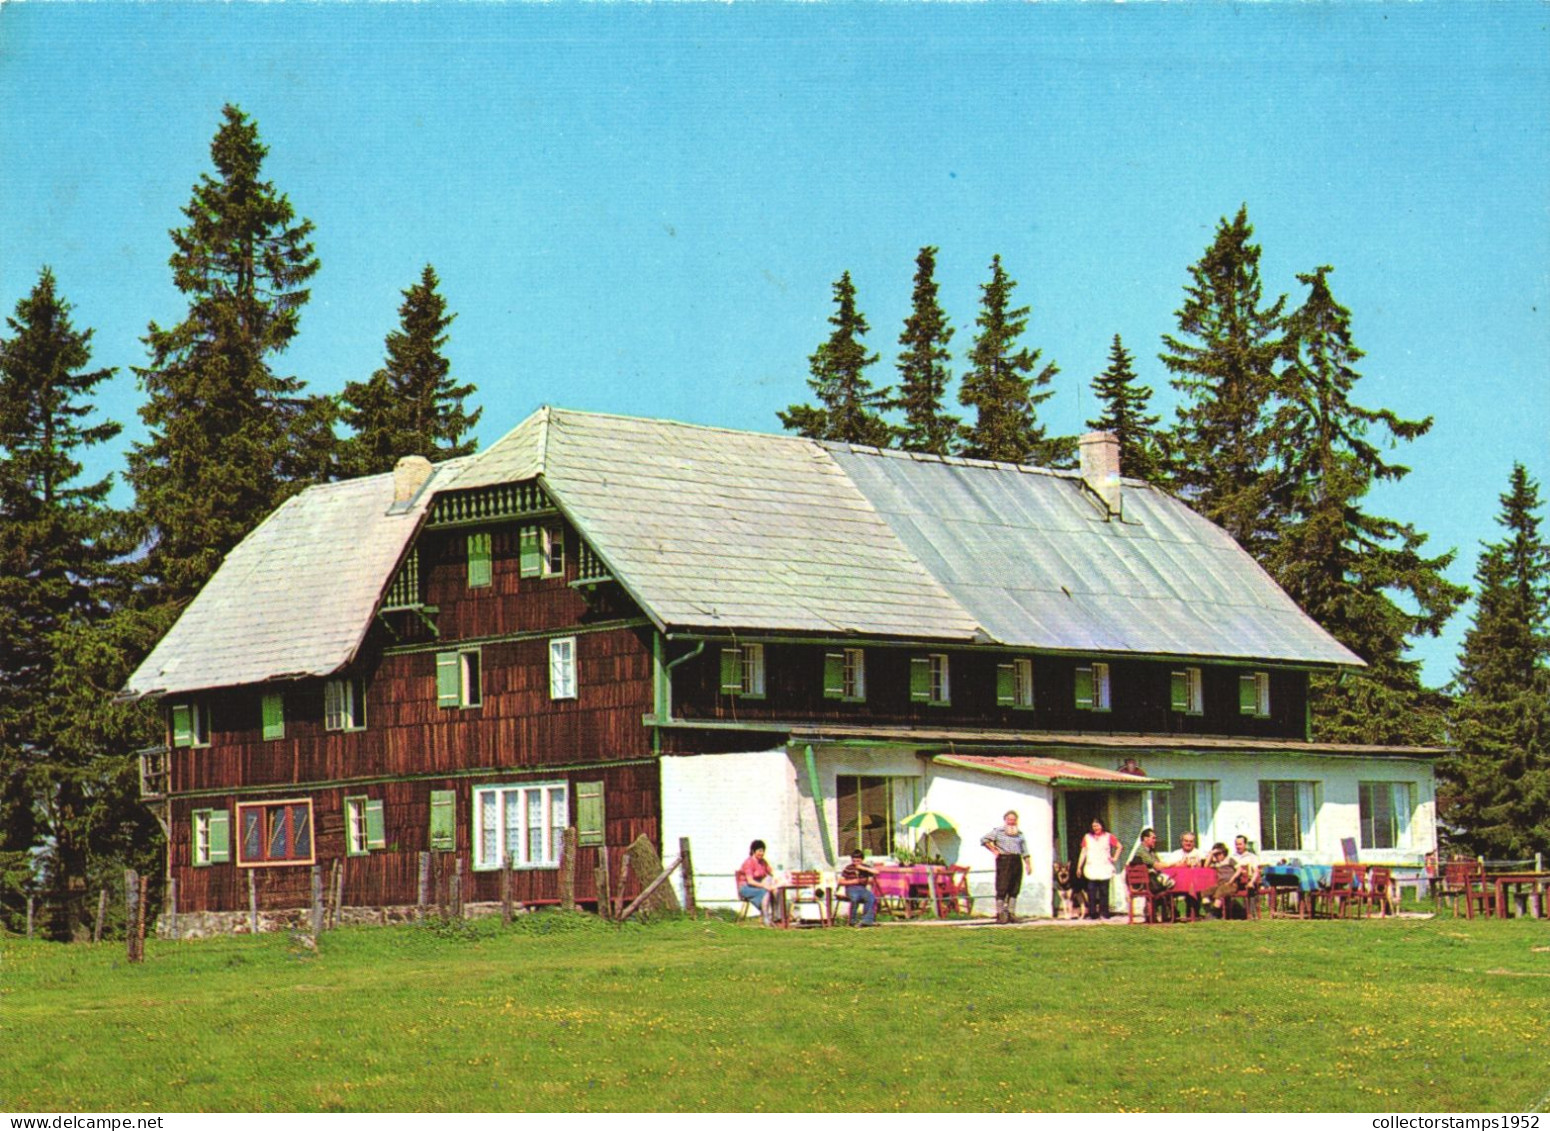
805	888
1249	896
1379	893
1283	896
1342	890
1138	886
952	892
1459	883
1479	891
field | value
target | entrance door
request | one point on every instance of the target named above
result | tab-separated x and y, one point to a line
1082	805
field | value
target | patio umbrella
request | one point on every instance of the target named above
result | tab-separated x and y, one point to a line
926	822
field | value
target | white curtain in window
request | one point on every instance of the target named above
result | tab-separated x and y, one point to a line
1306	814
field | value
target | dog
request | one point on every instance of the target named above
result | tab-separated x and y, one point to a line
1073	900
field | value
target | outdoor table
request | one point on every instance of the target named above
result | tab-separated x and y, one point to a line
911	883
1190	881
1310	878
1536	882
780	912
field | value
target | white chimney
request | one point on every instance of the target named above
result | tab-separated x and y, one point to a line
409	475
1100	468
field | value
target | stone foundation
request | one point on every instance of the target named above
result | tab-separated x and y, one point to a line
207	924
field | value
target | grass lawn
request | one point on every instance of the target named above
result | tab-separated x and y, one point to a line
566	1013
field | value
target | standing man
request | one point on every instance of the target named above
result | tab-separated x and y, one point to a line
857	881
1010	848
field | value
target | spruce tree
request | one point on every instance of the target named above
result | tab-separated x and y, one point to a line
58	546
229	437
1343	565
1498	783
923	371
1224	360
849	408
1125	402
411	406
1002	381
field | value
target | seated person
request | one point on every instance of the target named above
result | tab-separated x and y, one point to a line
857	881
1226	877
756	881
1247	861
1188	854
1146	854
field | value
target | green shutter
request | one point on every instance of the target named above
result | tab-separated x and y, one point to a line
1248	695
530	555
182	725
479	574
443	820
589	814
834	675
1181	691
1006	685
376	837
732	671
220	836
920	679
274	715
1084	689
449	680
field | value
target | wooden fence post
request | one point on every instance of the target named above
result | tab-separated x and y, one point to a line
102	914
140	924
423	899
317	901
131	905
506	890
649	889
252	904
568	846
688	876
455	888
31	899
338	892
600	881
172	907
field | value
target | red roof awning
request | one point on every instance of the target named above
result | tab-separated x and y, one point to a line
1051	771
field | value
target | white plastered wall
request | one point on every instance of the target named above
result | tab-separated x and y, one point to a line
976	803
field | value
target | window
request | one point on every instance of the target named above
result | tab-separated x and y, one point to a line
742	671
212	837
1385	813
1189	807
443	836
479	570
278	832
930	680
1014	684
562	668
590	817
1286	813
1188	697
1092	687
552	544
363	825
272	710
1254	694
844	675
868	811
525	822
458	682
529	555
344	704
190	724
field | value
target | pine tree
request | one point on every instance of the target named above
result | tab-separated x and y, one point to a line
1124	413
1225	360
1499	781
1341	564
411	406
923	371
57	576
1001	382
229	437
849	407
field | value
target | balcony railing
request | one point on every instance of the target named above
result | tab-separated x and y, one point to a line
155	771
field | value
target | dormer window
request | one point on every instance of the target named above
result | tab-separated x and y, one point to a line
541	551
742	671
1254	694
1092	687
1187	695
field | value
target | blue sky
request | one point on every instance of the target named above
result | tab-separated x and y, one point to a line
641	208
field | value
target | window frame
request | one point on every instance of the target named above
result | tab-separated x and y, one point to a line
1306	803
1100	693
743	674
197	727
271	724
931	679
350	714
363	825
1400	815
289	804
481	559
1014	684
551	550
1260	707
902	793
466	667
1193	686
443	801
563	668
844	675
1204	801
210	842
551	831
590	832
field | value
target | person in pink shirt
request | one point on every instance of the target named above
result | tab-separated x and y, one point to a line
756	880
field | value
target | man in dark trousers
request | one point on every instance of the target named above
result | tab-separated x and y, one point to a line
1010	848
856	879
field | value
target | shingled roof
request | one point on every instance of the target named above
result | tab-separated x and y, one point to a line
717	530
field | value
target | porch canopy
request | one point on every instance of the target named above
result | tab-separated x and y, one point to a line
1051	771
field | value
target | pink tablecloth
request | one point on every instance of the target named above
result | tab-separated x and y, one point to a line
1191	881
895	881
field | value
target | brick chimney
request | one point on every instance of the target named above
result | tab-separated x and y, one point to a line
1100	468
409	475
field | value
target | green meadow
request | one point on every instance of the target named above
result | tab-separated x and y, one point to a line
566	1013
